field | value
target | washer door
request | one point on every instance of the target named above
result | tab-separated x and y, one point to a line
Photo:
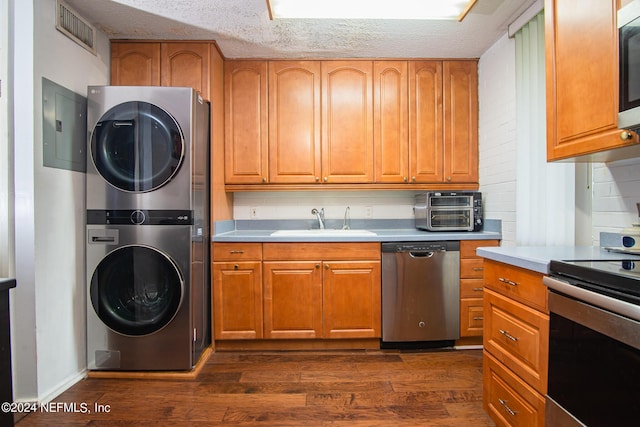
137	146
136	290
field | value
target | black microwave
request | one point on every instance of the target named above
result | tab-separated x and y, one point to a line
448	211
629	66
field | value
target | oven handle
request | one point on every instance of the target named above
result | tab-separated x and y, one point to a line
605	302
614	318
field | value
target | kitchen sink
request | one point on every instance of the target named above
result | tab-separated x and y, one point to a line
324	232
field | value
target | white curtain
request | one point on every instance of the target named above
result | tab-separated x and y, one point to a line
545	192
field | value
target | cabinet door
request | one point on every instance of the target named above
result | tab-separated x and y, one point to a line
292	299
460	85
351	298
347	122
186	64
135	64
582	77
425	121
237	300
294	122
390	121
246	122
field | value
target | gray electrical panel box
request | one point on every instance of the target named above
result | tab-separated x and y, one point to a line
64	127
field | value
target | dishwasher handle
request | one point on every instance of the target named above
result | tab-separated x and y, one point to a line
416	254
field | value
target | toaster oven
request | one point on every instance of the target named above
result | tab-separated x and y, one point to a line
449	211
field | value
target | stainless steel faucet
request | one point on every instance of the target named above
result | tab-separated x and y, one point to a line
346	225
320	216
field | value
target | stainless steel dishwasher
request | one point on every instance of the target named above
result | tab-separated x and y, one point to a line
420	293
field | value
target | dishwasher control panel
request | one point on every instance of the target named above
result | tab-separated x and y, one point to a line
421	246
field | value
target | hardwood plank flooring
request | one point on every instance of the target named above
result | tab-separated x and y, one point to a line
313	388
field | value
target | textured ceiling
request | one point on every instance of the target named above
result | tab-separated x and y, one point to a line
242	29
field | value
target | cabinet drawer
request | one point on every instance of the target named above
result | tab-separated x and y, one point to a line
508	400
471	317
518	336
468	247
237	251
471	268
471	288
369	251
518	283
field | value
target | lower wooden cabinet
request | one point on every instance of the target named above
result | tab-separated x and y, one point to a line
237	290
301	291
471	288
516	345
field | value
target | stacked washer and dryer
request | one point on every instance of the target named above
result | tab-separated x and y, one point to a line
147	228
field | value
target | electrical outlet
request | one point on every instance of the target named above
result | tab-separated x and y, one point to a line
368	212
253	213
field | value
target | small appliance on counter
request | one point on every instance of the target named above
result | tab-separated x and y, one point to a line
449	211
629	238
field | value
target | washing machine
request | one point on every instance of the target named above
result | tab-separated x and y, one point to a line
147	228
146	296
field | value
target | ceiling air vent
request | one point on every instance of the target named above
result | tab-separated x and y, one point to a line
75	27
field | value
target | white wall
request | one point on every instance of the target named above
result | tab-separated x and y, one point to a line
49	310
497	135
298	205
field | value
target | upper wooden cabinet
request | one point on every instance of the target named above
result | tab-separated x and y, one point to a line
347	121
135	64
343	124
582	80
426	150
460	87
246	122
185	64
294	122
390	121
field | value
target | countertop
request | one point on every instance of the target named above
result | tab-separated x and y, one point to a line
6	284
537	258
385	231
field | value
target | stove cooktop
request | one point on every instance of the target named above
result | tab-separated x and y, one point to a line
616	278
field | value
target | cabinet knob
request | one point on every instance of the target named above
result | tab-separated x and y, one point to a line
413	178
325	179
317	178
264	179
625	135
326	266
317	265
448	178
405	179
236	266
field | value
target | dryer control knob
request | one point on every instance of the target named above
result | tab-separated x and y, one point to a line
137	217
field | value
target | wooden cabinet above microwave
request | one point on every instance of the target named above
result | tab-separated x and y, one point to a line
582	83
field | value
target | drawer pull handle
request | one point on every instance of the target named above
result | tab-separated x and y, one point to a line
478	318
236	251
507	281
478	289
478	268
506	407
236	266
508	335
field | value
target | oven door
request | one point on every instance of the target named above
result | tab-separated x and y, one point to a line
594	359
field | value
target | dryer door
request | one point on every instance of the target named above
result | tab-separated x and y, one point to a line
136	290
137	146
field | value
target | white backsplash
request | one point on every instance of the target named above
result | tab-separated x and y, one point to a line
616	190
298	204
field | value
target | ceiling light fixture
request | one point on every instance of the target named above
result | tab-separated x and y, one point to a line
369	9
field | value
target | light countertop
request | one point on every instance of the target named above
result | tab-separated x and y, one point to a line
537	258
384	231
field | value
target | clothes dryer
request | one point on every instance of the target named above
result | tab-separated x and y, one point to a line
147	147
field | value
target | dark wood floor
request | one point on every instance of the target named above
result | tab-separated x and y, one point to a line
351	388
